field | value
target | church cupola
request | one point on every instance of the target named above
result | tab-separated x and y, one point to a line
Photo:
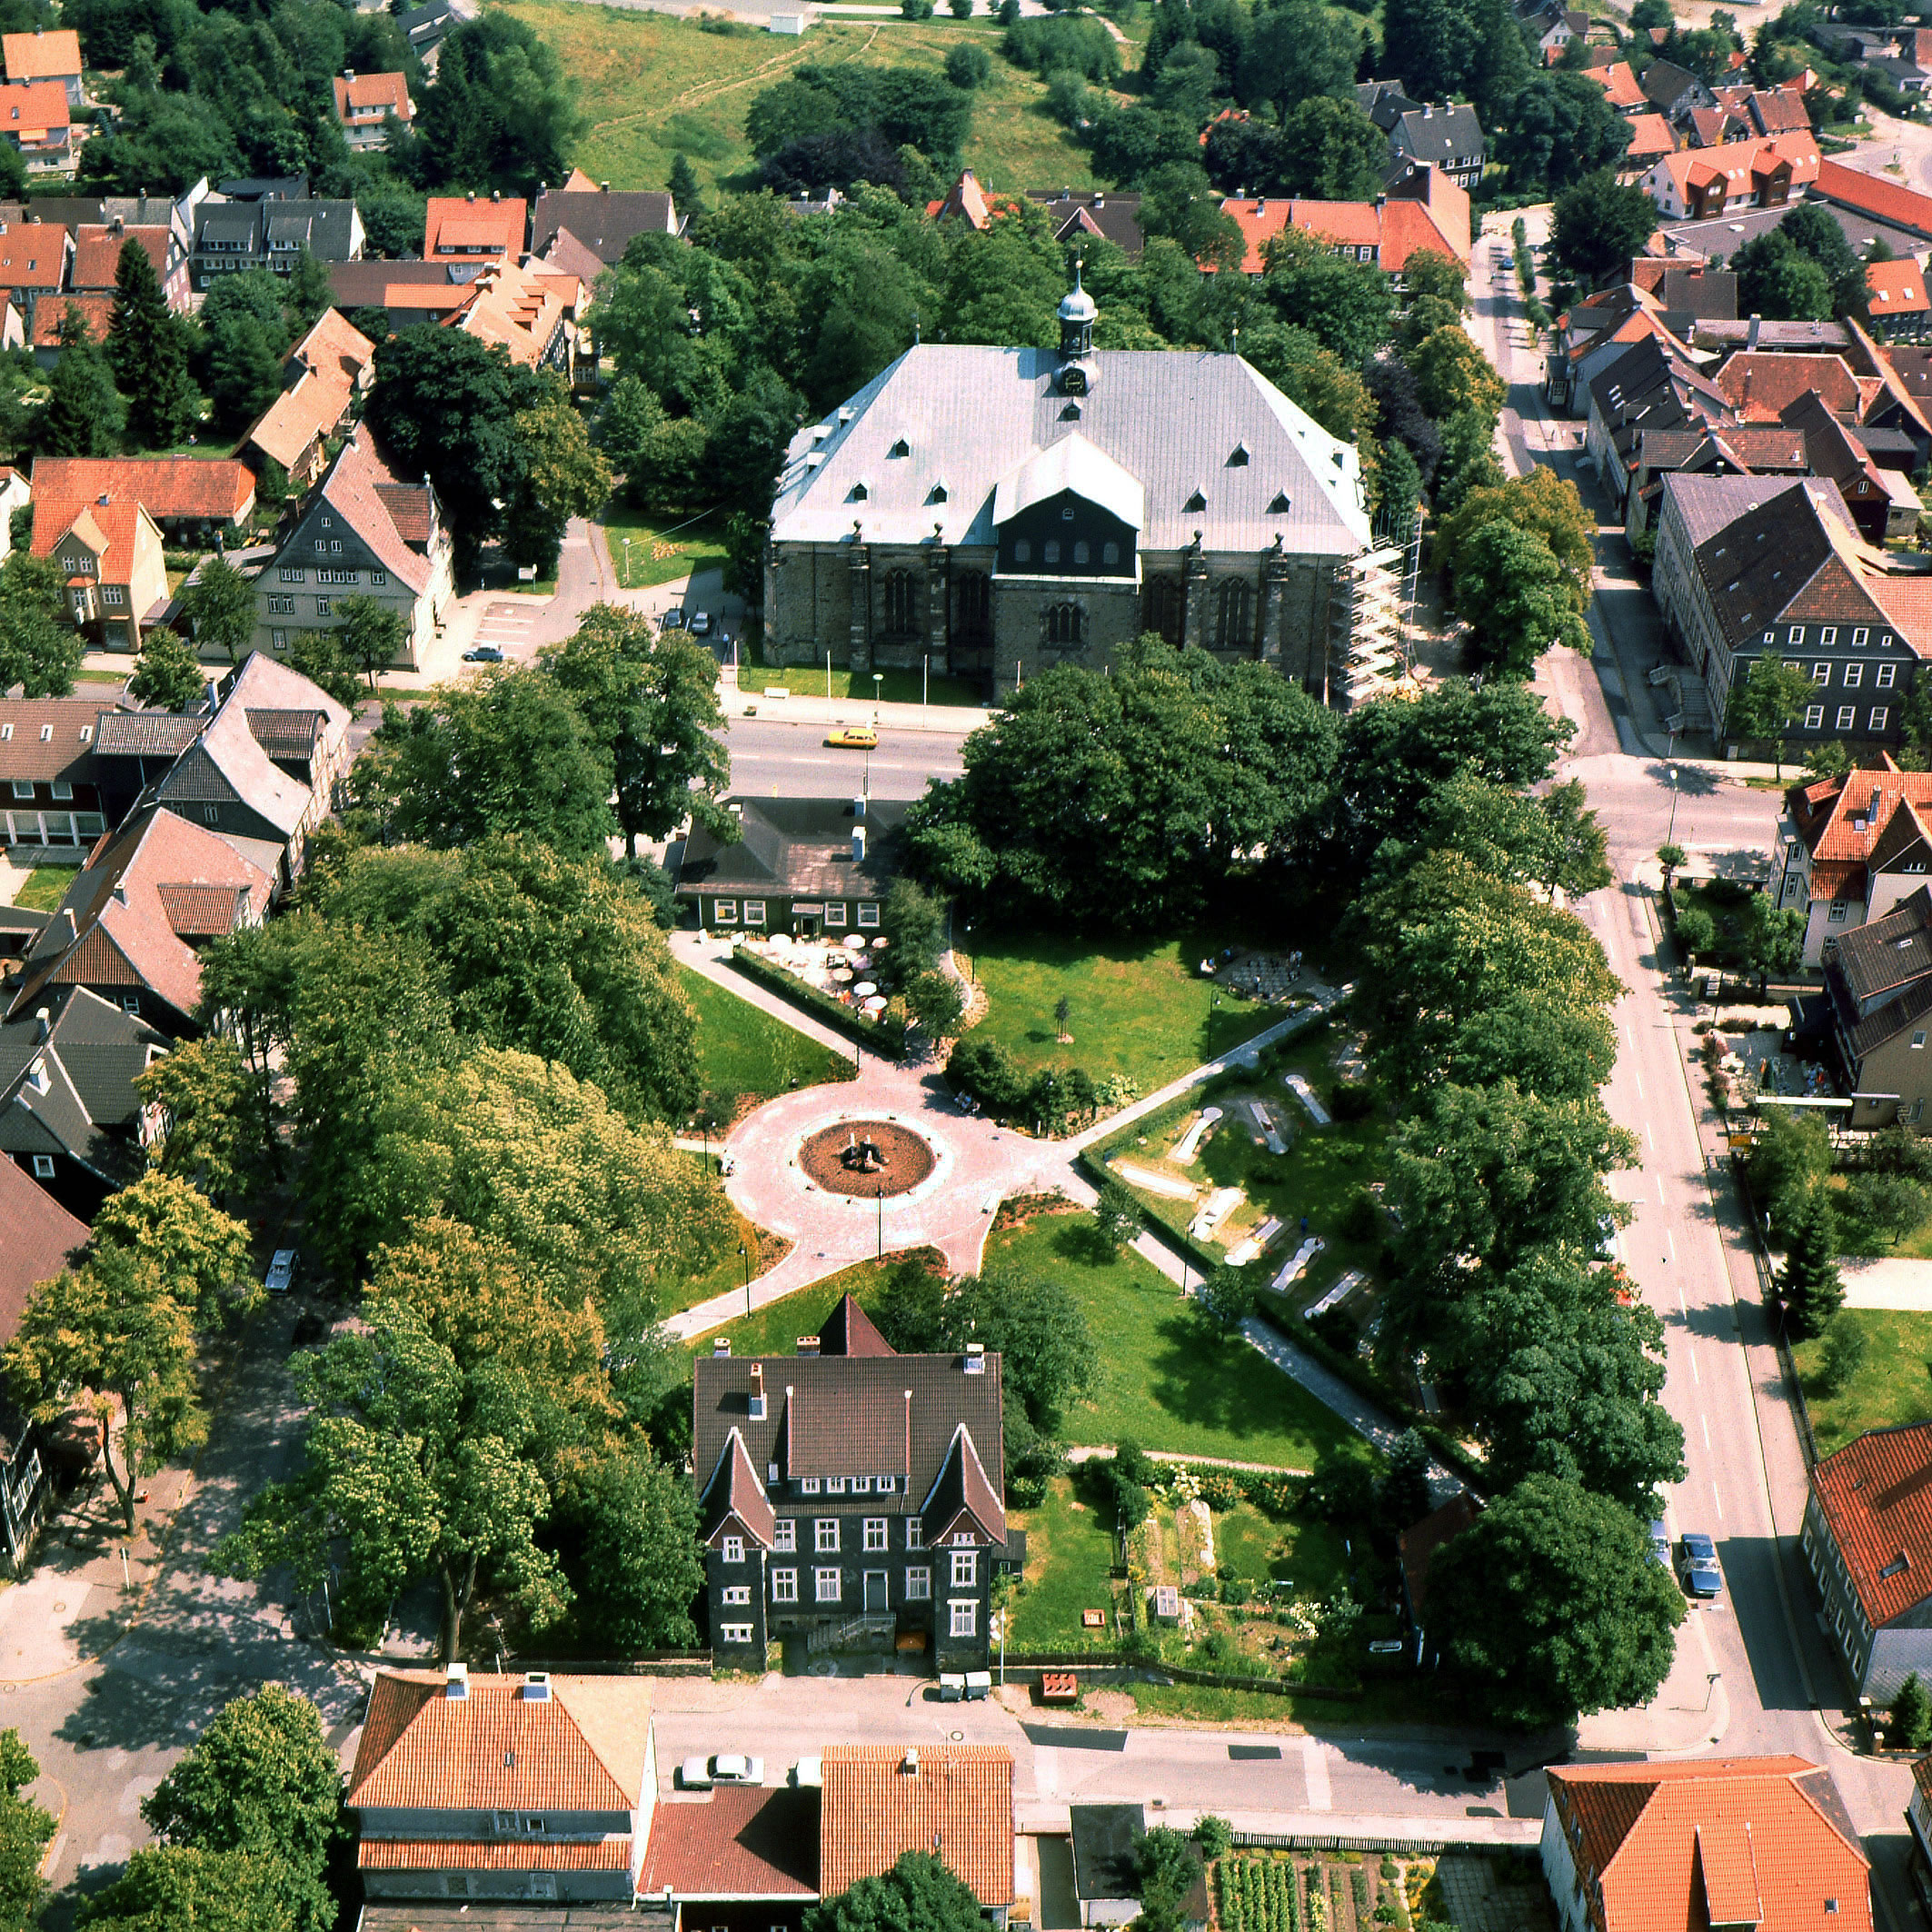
1078	313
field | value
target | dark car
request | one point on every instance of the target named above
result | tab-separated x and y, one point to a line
1697	1564
483	654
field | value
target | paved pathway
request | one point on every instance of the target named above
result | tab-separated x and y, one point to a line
1892	1282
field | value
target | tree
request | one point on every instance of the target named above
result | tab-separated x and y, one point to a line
1551	839
371	634
26	1829
1597	224
1348	307
203	1090
410	1467
1773	939
969	66
247	336
1330	151
1843	1355
559	475
652	703
1808	1283
148	356
1298	50
1115	1216
1542	503
321	658
169	674
1561	129
1168	1866
501	113
918	1895
1550	1606
511	753
39	649
212	1891
1513	583
262	1781
1782	282
639	1571
1430	42
84	411
1670	857
1453	374
1910	1726
220	608
937	1003
202	1256
108	1335
916	924
1772	694
1226	1298
685	196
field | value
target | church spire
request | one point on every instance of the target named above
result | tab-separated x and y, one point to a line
1078	313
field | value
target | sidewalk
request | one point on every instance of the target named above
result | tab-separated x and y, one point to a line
1892	1281
745	699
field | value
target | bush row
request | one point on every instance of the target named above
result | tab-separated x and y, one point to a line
889	1040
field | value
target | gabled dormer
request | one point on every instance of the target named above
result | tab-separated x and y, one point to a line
962	1506
733	1508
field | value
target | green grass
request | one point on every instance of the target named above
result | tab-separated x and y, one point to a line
46	886
97	676
1144	1012
664	548
1895	1385
744	1055
895	687
1069	1569
775	1330
654	86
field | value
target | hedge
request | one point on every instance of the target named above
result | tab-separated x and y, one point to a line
888	1042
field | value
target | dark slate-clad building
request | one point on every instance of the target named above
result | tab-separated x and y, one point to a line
993	512
806	865
851	1494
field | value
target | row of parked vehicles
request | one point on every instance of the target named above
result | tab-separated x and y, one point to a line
1695	1565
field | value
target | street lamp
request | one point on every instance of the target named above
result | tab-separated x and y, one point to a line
1670	834
744	1256
627	564
879	1199
925	677
969	953
878	692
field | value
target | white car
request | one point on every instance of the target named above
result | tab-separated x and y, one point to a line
281	1276
733	1769
694	1774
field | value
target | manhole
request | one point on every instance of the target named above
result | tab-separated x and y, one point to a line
955	1735
60	1607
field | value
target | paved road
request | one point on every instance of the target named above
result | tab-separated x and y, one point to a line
773	758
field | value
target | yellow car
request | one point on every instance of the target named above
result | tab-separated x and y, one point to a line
855	738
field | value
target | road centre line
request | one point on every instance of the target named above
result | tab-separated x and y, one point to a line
1717	1499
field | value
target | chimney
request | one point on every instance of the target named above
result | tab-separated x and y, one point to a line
69	930
909	1764
120	893
603	188
43	1024
808	1345
536	1686
118	223
496	194
348	73
975	1357
858	845
1750	337
758	1393
471	196
721	1348
457	1683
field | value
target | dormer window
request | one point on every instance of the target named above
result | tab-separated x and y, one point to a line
858	494
1278	507
1196	501
901	448
1071	412
938	495
1238	457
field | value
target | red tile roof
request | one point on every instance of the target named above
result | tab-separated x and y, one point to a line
97	311
583	1749
459	224
1842	820
1897	288
740	1843
1650	137
37	1236
385	511
357	95
33	254
1619	85
881	1800
111	531
1398	229
217	488
1871	194
483	1855
1877	1497
1677	1848
33	110
327	365
1762	383
53	54
97	253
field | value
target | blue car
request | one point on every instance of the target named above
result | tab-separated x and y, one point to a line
1698	1566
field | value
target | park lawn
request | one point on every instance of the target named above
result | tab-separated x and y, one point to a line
45	887
1892	1385
775	1330
1142	1012
662	548
1164	1379
895	687
727	1270
745	1056
655	86
1069	1569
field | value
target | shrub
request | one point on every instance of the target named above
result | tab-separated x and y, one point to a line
1076	44
984	1068
1911	1717
1843	1354
1351	1101
1697	931
1361	1218
1213	1835
969	64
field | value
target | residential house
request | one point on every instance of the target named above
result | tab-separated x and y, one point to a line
1734	450
1106	1844
1619	87
69	1114
1763	1842
136	749
193	500
366	102
408	293
1879	987
97	247
1867	1531
131	926
1875	195
33	259
45	315
1884	506
1760	384
426	27
848	1495
1697	184
1103	215
1894	424
50	53
1677	305
1851	849
603	223
1770	110
964	201
742	1857
34	121
1673	91
1747	565
529	312
501	1787
262	187
1651	138
51	795
122	212
272	232
1550	26
1717	240
112	553
1384	101
360	529
326	374
265	766
803	865
1896	301
38	1238
1386	232
1653	384
1449	137
463	226
1718	126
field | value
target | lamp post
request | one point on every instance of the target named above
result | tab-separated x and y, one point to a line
744	1256
1670	835
878	693
627	564
969	953
925	678
878	1201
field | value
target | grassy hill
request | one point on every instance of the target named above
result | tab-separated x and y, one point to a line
655	85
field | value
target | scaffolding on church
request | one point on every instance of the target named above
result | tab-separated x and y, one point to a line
1365	626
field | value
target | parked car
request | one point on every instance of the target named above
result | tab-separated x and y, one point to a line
699	623
483	654
1660	1541
733	1768
854	738
281	1276
1697	1564
673	618
694	1774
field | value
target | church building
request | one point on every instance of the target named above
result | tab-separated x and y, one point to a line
996	512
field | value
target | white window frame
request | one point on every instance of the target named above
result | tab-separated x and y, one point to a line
808	1485
735	1633
738	1596
278	639
43	1166
784	1535
784	1586
1918	1042
733	1551
861	1485
835	913
754	913
1821	674
1887	676
1879	718
962	1617
1829	635
1814	717
22	788
1861	636
918	1584
62	792
874	1533
965	1570
828	1585
1847	718
112	595
825	1535
724	912
868	913
885	1485
378	579
1854	676
835	1486
321	607
915	1533
1796	634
